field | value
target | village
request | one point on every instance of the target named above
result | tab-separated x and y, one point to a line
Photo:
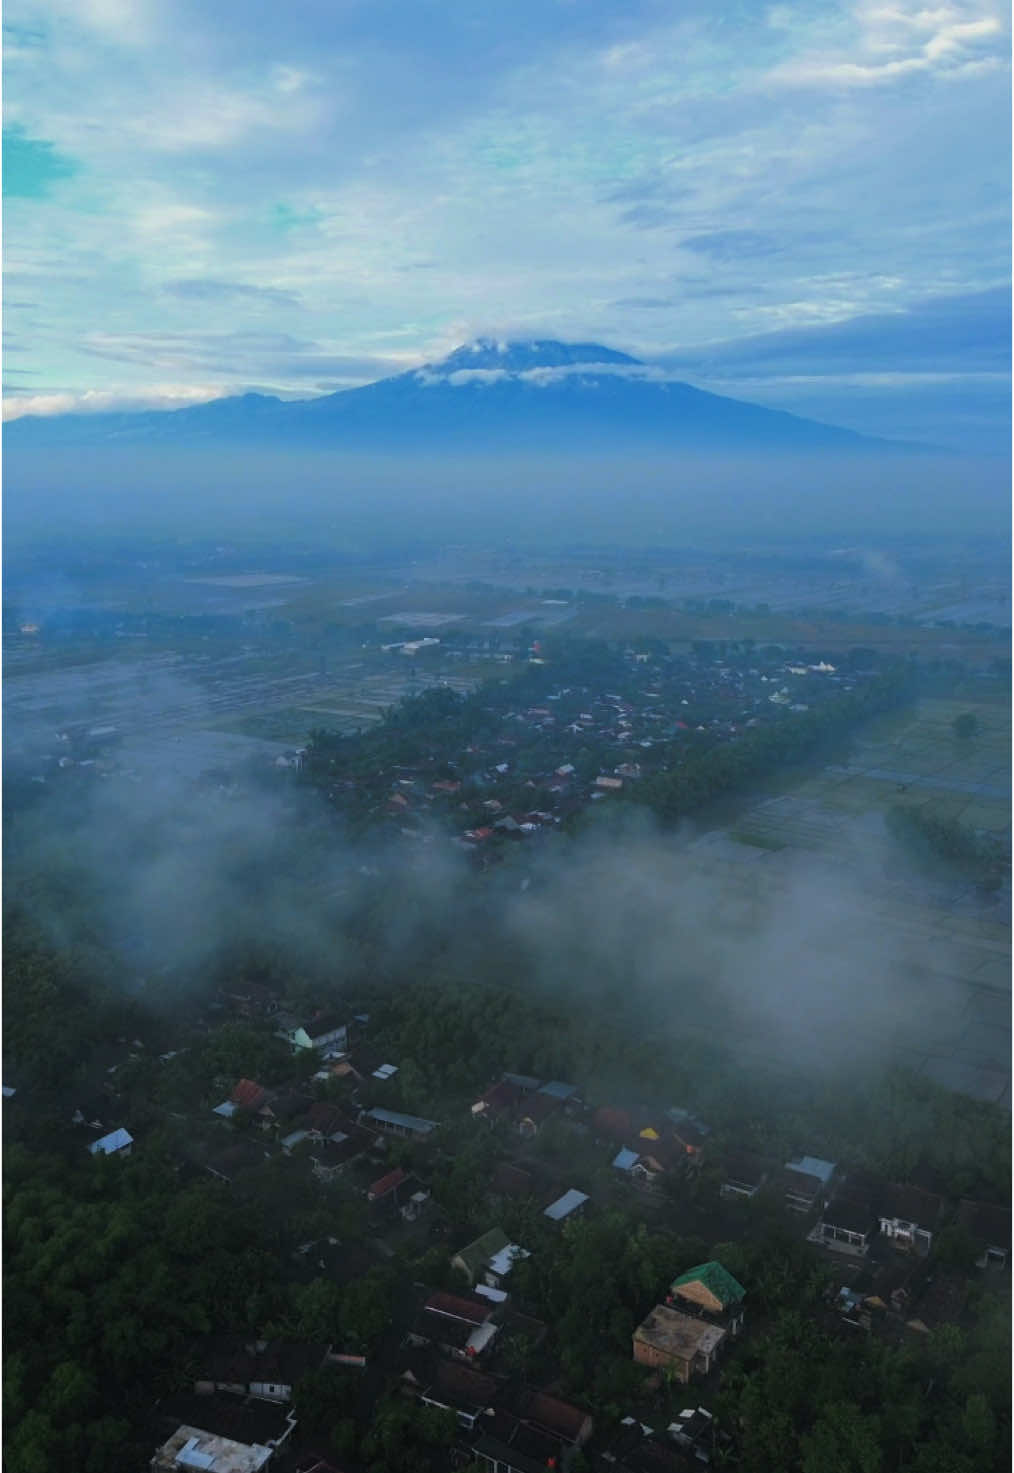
573	727
467	1333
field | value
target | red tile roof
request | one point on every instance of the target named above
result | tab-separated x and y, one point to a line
249	1095
501	1097
457	1307
386	1184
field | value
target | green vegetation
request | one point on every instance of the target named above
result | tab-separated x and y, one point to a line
931	836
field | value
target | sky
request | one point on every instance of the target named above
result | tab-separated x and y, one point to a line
806	205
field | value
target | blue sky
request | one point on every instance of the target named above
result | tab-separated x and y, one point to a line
802	204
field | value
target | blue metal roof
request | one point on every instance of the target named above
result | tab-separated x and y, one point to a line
558	1089
625	1159
813	1166
565	1205
114	1141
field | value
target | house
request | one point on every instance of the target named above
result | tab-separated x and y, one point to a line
507	1444
806	1182
535	1111
462	1328
265	1370
489	1259
609	1124
324	1031
907	1217
687	1131
658	1158
667	1338
556	1089
609	784
189	1448
989	1229
525	1082
413	1209
501	1101
325	1122
331	1156
560	1419
709	1290
625	1160
636	1449
387	1186
694	1430
248	1095
846	1225
567	1206
116	1143
393	1122
744	1177
452	1387
285	1107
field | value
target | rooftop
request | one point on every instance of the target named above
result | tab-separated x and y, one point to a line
248	1095
716	1279
501	1263
558	1089
565	1205
813	1166
385	1184
678	1335
457	1307
479	1253
115	1141
849	1215
191	1448
407	1122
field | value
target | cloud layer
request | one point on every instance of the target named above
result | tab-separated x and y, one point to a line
309	199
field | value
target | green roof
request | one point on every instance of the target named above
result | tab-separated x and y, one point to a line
483	1249
716	1279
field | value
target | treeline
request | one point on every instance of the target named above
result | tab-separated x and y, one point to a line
706	774
113	1271
935	837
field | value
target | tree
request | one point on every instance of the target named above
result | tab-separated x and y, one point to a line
844	1440
965	726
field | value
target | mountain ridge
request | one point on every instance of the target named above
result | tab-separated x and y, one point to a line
540	395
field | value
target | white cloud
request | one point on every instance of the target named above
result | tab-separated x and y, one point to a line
889	42
96	401
409	198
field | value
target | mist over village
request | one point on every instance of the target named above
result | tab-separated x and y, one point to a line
507	769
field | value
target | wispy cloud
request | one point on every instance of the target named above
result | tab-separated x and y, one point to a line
890	42
393	174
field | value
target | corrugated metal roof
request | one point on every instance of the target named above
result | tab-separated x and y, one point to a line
408	1122
558	1089
625	1159
565	1205
718	1280
813	1166
115	1141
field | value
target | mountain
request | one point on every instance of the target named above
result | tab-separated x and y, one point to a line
542	396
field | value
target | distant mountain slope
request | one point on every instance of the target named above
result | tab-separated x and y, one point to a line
520	396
